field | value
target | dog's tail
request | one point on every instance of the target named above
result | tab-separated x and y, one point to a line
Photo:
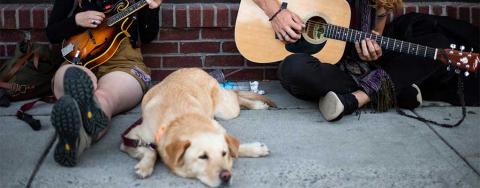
247	98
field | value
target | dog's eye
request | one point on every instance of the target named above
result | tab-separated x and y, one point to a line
224	153
204	156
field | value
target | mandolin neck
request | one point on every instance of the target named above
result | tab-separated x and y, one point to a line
351	35
125	13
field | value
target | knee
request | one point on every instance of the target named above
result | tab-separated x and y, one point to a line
292	65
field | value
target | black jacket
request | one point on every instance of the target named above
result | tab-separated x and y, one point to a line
61	26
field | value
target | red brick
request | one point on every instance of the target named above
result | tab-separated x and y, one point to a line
222	15
159	75
245	74
199	47
195	12
10	50
24	17
218	33
39	17
208	15
2	52
9	17
452	12
153	62
410	9
271	74
39	36
233	14
476	16
180	16
229	47
224	60
179	34
437	10
424	9
11	35
182	61
167	15
160	47
464	14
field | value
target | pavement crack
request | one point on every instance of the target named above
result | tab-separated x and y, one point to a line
450	146
40	161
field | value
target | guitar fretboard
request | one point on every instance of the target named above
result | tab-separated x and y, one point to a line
129	10
351	35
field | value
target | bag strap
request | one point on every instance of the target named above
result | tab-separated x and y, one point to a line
20	62
461	97
22	115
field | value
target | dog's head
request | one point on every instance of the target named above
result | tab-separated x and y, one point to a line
204	154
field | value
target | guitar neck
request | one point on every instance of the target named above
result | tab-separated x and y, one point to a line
351	35
125	13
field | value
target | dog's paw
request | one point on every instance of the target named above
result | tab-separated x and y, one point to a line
259	105
255	149
143	171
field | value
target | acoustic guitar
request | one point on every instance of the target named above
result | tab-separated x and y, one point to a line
325	36
95	46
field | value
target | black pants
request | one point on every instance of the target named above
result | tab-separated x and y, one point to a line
306	78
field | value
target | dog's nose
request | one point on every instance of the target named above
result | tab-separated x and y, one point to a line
225	176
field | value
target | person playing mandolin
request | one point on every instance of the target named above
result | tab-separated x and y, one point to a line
87	99
366	74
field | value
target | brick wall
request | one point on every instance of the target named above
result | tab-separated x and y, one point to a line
192	35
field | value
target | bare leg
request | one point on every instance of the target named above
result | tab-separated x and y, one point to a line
118	91
362	98
112	96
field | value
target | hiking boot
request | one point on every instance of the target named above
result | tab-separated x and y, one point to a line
333	106
72	138
78	84
410	97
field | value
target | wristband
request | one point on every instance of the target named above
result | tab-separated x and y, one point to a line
282	7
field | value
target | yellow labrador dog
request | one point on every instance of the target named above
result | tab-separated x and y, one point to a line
178	123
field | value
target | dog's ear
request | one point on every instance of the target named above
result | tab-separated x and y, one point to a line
175	152
233	145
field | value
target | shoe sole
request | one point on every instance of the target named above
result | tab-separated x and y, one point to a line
79	85
66	121
330	106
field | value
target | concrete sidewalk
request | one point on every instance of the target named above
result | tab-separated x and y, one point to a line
370	150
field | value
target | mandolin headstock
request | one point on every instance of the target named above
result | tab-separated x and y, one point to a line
461	60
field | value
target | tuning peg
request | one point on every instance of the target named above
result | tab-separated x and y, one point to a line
453	46
467	66
461	49
471	50
466	74
457	71
448	68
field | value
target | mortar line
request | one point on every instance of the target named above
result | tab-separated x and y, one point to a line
450	146
41	160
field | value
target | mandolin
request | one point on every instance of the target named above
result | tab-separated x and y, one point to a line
95	46
325	36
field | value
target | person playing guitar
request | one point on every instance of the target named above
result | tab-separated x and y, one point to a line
365	73
87	99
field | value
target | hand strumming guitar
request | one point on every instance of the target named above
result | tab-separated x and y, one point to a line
286	24
89	19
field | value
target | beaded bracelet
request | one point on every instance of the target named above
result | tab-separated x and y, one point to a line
282	7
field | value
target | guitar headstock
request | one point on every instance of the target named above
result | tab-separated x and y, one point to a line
462	61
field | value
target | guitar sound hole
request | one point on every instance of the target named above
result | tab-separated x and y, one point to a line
314	30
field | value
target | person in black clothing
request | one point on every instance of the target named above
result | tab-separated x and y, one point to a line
366	74
88	99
